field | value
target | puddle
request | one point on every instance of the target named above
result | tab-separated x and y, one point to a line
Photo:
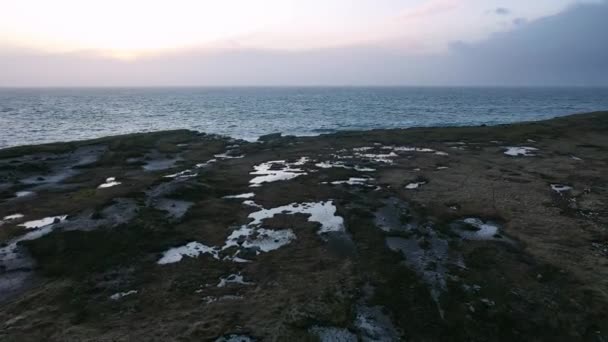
373	325
235	338
110	182
13	283
250	203
364	169
560	188
120	295
342	165
228	155
121	211
352	181
20	194
183	174
386	155
233	279
13	217
320	212
408	149
240	196
386	158
53	178
363	149
16	264
192	249
428	262
259	239
87	155
205	164
415	185
329	165
160	164
523	151
156	161
61	165
210	299
332	334
251	239
476	229
393	216
175	208
425	252
43	222
276	170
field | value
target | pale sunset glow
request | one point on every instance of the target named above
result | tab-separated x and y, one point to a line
126	28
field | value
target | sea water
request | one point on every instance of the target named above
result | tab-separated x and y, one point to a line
34	116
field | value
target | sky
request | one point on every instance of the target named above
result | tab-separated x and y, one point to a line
303	42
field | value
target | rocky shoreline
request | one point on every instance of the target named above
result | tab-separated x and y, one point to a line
423	234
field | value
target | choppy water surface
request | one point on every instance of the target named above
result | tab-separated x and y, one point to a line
33	116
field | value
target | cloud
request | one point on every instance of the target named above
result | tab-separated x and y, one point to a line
502	11
430	8
569	48
519	21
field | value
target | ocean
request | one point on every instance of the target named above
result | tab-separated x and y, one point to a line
34	116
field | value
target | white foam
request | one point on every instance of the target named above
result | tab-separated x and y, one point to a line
110	182
119	295
43	222
523	151
192	249
441	153
576	158
246	195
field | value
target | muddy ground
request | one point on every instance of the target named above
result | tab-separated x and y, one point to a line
427	234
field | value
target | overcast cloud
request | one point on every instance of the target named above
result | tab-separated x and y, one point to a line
569	48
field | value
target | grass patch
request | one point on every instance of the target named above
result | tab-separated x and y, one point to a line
78	253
